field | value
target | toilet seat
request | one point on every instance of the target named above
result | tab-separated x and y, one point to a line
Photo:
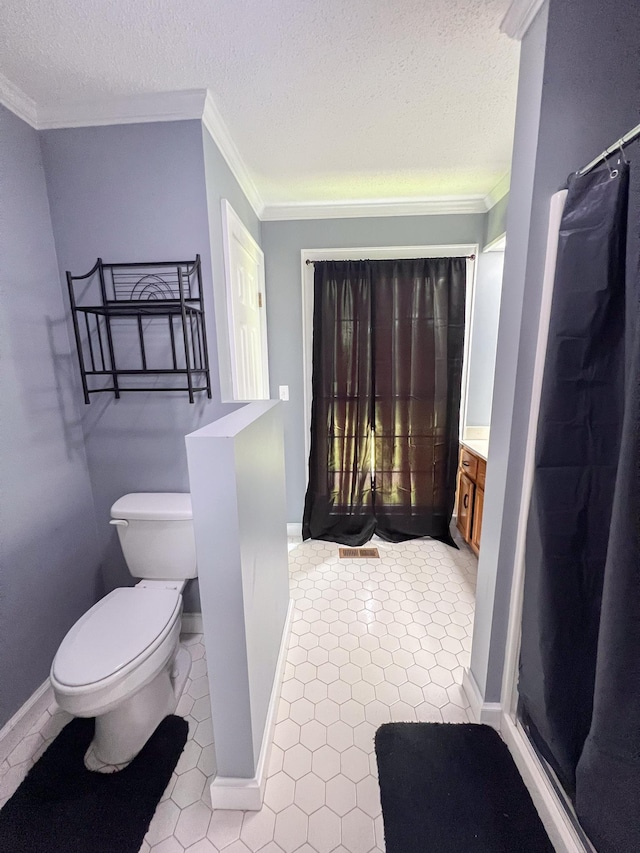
114	637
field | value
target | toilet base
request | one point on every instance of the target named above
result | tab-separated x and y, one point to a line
121	733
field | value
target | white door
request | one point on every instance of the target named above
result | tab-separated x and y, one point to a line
244	271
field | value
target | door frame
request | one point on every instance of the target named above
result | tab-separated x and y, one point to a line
232	225
378	253
546	796
509	692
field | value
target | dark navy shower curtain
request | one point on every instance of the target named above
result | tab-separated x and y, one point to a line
579	680
608	776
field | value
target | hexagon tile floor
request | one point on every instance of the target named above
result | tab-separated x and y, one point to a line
372	641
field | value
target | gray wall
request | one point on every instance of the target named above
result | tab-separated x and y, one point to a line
244	576
496	220
136	193
484	338
282	243
49	573
578	92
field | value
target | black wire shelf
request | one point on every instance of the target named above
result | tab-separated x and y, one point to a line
140	320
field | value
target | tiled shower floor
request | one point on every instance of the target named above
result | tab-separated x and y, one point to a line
372	641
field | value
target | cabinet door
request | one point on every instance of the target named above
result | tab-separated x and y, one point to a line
465	506
481	474
468	463
478	506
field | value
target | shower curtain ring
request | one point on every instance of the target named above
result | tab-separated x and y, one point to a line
623	155
613	173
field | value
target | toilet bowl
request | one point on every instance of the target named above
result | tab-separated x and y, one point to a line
122	662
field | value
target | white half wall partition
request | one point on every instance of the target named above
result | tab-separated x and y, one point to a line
236	473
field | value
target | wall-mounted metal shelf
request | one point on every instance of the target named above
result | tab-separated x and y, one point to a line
137	321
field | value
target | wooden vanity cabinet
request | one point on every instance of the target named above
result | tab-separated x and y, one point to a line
476	527
466	489
470	500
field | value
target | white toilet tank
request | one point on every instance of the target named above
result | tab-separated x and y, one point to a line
156	534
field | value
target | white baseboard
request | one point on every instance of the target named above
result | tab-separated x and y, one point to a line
489	713
15	729
237	794
294	530
552	812
192	623
556	821
247	794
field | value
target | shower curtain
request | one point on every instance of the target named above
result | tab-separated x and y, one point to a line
580	650
608	776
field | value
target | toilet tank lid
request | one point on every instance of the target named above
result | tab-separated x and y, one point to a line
153	506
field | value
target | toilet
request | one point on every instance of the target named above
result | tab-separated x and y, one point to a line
122	662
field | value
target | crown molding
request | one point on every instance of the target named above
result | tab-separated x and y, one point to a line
392	207
217	128
127	109
199	104
137	109
498	192
14	99
519	17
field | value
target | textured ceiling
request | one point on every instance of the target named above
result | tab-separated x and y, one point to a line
326	100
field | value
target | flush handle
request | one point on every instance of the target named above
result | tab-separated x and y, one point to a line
120	522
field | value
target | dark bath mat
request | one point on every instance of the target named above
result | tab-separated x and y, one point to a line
61	807
448	788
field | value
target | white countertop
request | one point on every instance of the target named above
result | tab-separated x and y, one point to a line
479	446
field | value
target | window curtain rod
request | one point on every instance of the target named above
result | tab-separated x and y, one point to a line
618	145
318	261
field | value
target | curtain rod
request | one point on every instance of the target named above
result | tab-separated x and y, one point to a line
318	261
633	134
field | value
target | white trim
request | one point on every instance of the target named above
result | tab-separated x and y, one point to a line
191	623
550	806
376	207
306	277
497	245
489	713
14	99
472	692
499	191
247	794
556	821
234	229
199	104
15	729
294	530
469	313
128	109
510	672
137	109
217	128
519	17
374	253
232	794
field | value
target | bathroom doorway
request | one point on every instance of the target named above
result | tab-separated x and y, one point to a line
385	434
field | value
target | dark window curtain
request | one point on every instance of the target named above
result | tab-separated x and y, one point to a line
418	347
387	352
576	460
338	504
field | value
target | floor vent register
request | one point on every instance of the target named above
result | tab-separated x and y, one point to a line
359	554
